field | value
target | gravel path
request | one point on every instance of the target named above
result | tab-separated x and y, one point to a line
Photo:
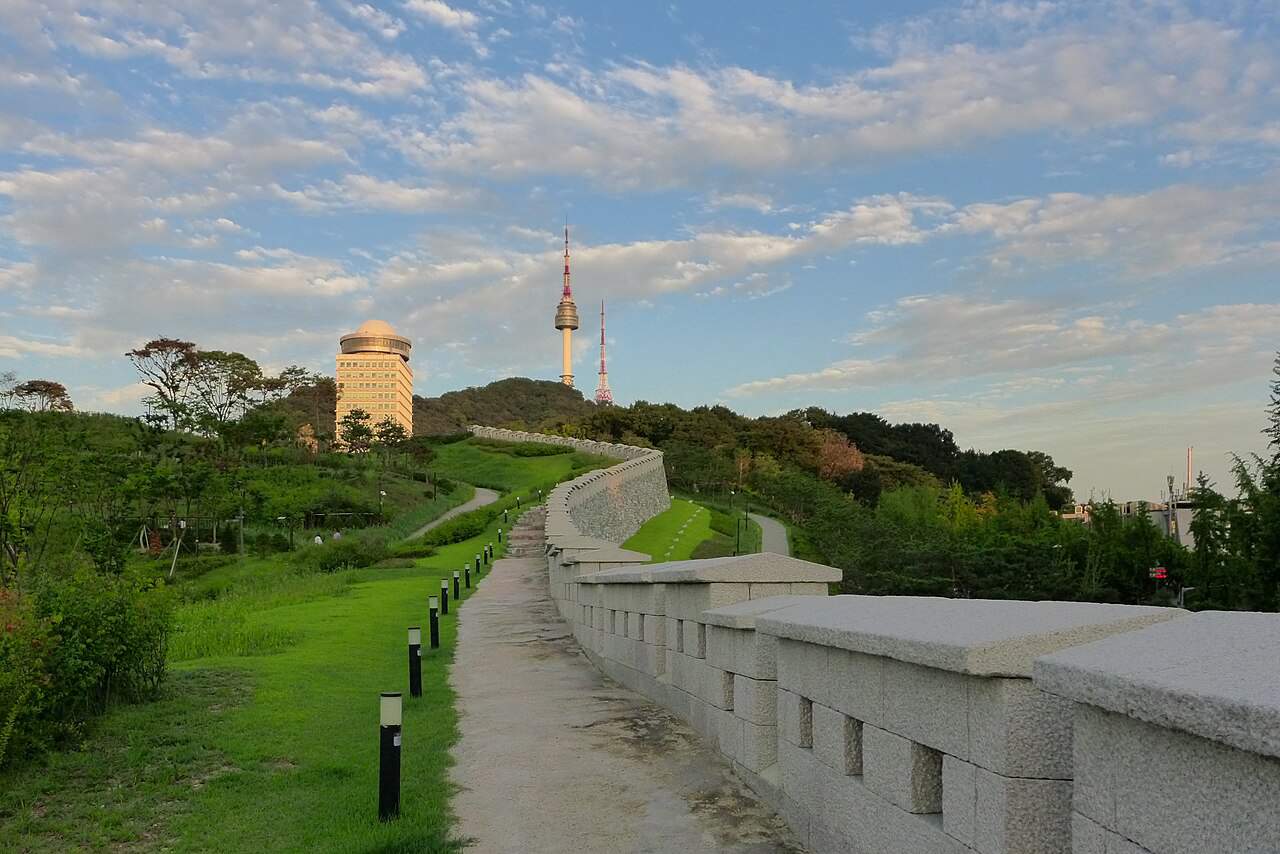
556	758
773	535
482	497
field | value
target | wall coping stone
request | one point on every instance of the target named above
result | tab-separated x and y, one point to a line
1215	674
742	615
757	568
612	554
578	541
979	637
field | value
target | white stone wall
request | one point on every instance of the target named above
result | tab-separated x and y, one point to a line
912	725
609	504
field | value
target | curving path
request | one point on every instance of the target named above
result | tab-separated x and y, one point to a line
773	535
556	759
482	497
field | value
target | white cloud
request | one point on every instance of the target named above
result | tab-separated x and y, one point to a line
940	338
1179	227
294	42
441	13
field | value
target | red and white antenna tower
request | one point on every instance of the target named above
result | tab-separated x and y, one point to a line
603	394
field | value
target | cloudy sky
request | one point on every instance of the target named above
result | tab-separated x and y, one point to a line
1046	225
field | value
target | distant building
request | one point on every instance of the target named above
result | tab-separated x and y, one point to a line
374	375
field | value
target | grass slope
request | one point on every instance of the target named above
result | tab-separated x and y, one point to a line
265	737
674	533
482	466
274	749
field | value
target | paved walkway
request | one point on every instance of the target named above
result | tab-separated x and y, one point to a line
773	535
555	758
482	497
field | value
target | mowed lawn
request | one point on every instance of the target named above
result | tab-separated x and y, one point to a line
674	533
483	466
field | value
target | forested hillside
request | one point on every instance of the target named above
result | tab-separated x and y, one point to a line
517	403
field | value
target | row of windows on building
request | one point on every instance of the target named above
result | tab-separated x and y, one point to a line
366	385
360	363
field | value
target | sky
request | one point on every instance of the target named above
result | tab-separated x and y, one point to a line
1044	225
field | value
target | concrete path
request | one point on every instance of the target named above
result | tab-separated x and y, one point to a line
556	758
482	497
773	535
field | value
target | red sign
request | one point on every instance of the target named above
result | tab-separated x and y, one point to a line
1159	573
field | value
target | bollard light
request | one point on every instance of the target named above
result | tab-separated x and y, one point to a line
504	516
490	552
457	580
444	596
466	576
434	603
499	535
415	661
389	721
477	563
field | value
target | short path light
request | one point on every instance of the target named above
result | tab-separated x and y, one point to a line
457	581
500	533
389	719
466	576
434	603
490	552
444	596
477	563
415	661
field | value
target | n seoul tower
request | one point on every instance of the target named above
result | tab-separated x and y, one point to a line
567	318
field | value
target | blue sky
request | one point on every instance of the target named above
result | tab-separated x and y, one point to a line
1043	225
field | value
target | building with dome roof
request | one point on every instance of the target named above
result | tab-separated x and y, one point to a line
373	374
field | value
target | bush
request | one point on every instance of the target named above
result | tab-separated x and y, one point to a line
353	551
445	486
523	449
414	550
70	647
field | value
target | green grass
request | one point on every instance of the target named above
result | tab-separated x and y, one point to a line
674	533
265	736
486	466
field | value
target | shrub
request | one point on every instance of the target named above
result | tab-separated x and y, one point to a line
71	646
351	552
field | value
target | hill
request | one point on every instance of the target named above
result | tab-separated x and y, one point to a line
517	403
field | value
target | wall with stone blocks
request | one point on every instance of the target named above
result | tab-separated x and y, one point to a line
608	504
911	725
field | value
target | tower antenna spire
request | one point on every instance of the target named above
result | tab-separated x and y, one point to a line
603	394
568	292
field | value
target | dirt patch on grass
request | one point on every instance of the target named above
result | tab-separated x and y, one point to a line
138	769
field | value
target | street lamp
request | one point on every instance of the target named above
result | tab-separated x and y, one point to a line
381	495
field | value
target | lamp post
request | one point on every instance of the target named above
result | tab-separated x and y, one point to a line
1182	596
457	582
415	661
381	497
444	596
737	535
389	721
433	603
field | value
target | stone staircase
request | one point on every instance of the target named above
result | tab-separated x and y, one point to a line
526	538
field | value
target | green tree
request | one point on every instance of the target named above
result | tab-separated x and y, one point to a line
354	431
42	396
168	366
222	386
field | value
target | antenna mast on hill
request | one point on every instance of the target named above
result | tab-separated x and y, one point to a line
603	394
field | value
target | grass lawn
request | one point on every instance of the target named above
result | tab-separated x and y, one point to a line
265	737
674	533
481	466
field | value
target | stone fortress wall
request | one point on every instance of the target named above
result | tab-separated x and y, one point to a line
893	724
